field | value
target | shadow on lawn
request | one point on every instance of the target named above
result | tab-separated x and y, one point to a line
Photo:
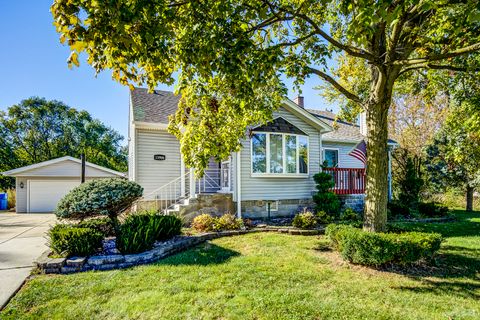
455	269
202	255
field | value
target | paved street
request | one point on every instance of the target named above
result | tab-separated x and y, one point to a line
22	240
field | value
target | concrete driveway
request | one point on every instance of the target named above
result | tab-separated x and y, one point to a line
22	240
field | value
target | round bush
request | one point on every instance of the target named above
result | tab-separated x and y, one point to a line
228	222
74	241
108	197
204	223
304	220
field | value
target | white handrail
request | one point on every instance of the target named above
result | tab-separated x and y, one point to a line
165	186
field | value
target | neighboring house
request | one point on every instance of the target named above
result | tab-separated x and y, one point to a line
272	174
40	186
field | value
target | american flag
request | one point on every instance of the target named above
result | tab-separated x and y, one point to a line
360	152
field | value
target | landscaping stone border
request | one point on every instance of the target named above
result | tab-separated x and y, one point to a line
48	265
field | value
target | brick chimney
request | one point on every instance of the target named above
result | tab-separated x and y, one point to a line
299	100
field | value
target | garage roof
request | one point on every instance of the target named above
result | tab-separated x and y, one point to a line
62	167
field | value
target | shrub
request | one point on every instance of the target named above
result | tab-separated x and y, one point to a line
325	199
349	215
101	197
102	225
204	223
377	249
398	210
168	227
11	198
137	233
74	241
304	220
323	217
432	209
228	222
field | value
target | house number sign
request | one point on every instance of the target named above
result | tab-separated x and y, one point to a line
159	157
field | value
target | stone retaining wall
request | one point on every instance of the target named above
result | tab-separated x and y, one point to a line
354	201
45	264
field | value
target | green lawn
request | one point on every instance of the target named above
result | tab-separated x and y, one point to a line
268	276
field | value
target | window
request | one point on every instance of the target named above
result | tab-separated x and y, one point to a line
279	153
331	157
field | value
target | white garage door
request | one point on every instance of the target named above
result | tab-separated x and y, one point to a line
44	195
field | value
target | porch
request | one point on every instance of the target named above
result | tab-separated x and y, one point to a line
348	180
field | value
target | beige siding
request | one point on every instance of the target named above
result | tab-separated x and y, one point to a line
344	160
152	174
274	188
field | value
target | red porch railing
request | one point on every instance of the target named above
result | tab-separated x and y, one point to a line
348	180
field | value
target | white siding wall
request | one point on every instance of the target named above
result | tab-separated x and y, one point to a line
152	174
263	188
344	160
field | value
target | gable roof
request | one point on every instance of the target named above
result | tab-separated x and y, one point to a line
21	170
154	108
342	130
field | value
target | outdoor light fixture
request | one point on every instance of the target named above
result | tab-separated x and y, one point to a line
21	185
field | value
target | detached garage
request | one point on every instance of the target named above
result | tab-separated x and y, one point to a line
40	186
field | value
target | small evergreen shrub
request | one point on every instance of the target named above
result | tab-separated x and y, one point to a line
304	220
349	215
137	233
100	197
71	240
324	218
398	210
204	223
228	222
102	225
325	199
378	249
432	209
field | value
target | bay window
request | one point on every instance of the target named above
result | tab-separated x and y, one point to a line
279	153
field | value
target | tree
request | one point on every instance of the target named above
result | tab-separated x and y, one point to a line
37	130
407	177
229	56
453	157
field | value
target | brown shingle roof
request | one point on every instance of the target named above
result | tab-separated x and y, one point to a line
344	131
157	106
153	107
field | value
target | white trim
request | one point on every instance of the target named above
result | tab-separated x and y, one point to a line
182	176
239	185
150	125
16	171
284	174
334	149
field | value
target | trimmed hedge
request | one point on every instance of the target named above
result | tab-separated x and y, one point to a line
432	209
377	249
74	241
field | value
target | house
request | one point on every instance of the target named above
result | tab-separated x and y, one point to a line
40	186
271	175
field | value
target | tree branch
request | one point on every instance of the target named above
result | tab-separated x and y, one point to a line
336	85
441	56
438	67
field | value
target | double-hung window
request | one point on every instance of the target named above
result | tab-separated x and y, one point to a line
331	157
282	154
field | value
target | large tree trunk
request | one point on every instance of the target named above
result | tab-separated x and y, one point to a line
375	218
470	191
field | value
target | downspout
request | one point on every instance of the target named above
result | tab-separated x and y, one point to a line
239	186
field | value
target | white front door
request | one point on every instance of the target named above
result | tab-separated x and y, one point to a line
225	176
43	195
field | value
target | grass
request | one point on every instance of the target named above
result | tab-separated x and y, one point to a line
268	276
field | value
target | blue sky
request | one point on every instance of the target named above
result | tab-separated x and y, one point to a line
33	63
